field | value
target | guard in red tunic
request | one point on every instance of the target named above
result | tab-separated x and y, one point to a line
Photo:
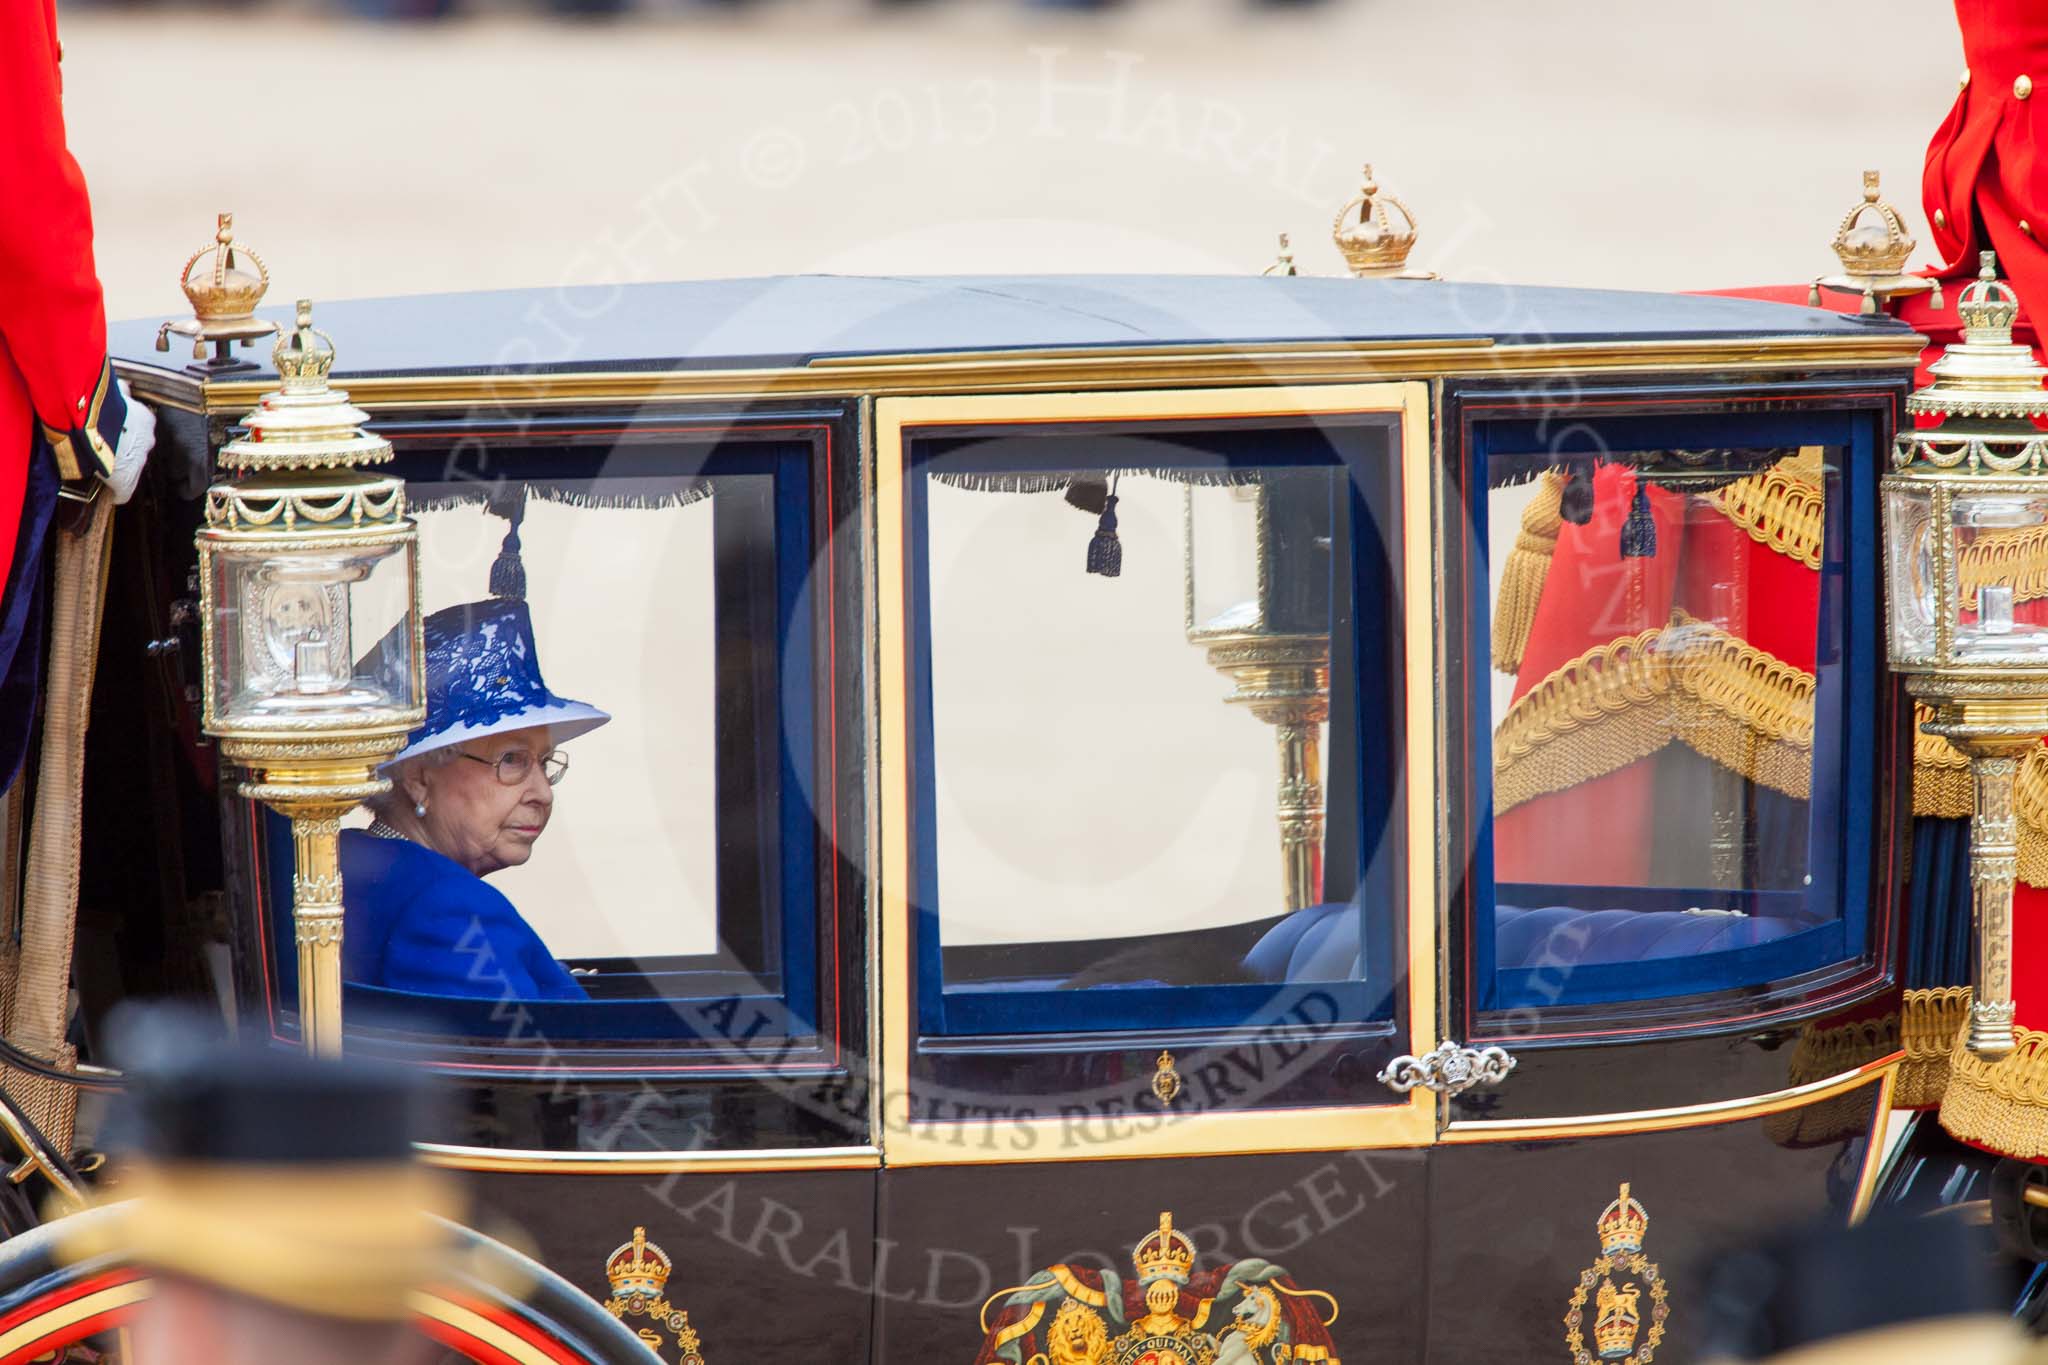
62	416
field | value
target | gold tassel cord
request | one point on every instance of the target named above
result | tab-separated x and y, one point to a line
1522	577
1310	1294
1689	682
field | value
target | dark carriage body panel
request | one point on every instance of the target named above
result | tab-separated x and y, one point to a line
924	1127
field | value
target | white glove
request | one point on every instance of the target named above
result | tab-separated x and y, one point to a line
131	452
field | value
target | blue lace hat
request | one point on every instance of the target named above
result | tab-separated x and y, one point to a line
483	678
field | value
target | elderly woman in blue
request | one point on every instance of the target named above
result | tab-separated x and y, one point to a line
470	795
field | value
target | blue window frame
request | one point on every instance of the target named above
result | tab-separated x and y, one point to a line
1790	892
757	977
1339	480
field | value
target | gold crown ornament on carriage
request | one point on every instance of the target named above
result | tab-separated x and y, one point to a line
304	553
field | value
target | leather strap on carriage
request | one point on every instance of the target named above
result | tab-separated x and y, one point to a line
38	1014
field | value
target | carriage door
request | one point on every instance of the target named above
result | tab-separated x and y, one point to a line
1156	877
1677	831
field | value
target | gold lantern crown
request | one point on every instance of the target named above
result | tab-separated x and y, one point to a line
638	1267
304	356
1622	1224
1375	231
1986	390
304	423
1165	1252
1872	239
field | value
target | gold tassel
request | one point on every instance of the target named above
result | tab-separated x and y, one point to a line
1521	579
2002	1102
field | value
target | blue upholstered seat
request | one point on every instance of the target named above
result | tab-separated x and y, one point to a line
1320	943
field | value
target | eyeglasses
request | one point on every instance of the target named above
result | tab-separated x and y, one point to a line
516	765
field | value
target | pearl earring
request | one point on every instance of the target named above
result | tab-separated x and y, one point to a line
419	808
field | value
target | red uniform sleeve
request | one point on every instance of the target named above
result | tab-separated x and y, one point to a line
52	314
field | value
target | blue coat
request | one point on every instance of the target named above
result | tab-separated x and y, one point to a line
420	922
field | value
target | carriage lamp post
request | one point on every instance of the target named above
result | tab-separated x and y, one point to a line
1274	648
1965	505
306	558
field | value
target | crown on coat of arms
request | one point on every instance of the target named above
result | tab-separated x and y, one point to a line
637	1267
1622	1224
1165	1252
1375	231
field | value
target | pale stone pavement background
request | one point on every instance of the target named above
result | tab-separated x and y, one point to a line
1605	142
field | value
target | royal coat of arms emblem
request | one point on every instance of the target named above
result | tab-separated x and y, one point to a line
1615	1284
639	1272
1246	1313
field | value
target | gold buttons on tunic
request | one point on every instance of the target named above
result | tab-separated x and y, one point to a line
81	405
2023	87
1940	218
1964	83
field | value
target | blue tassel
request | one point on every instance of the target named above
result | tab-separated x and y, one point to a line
1639	532
508	571
1105	552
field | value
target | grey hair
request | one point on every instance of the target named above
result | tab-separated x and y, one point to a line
396	799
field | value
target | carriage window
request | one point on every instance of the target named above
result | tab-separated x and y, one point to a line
595	820
1669	650
1155	781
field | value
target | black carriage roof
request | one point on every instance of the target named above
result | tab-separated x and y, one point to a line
792	320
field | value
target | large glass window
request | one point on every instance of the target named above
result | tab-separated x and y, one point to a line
1157	676
1674	640
607	819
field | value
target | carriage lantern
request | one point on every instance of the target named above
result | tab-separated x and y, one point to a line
311	633
1966	513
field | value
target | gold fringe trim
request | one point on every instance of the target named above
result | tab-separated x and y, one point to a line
2014	558
2003	1103
1784	508
1931	1018
1690	682
1522	577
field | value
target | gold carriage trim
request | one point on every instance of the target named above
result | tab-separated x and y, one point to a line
1942	790
1784	508
2000	1103
1931	1018
1690	682
1521	578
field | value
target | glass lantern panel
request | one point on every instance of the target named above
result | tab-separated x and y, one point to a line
303	637
1223	524
2001	576
1911	593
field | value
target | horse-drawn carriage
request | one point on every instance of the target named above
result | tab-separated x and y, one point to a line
1196	819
